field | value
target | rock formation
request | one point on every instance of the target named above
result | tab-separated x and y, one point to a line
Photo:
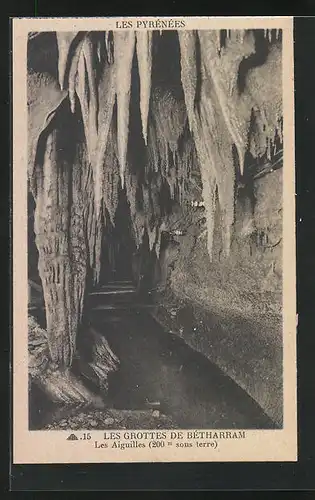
164	143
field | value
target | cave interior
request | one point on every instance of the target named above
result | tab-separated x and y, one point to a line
157	157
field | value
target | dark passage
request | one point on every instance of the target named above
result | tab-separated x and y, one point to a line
118	246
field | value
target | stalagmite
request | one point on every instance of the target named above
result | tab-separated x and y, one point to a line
64	41
144	55
124	45
61	286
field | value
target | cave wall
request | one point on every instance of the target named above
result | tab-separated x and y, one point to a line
230	309
250	280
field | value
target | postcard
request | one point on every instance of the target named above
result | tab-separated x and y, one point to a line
154	283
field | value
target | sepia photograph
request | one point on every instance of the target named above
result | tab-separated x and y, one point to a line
155	230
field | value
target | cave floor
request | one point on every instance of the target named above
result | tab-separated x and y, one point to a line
90	419
157	366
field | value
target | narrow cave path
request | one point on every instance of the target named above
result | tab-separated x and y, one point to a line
156	366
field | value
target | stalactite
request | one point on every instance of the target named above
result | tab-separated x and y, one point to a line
137	216
73	74
99	51
146	200
223	71
87	93
218	40
209	185
64	41
185	158
214	145
97	102
158	242
223	109
264	85
98	246
88	50
268	34
151	235
187	40
154	194
154	156
93	223
82	90
144	55
124	45
89	213
43	98
109	47
170	150
170	116
110	185
107	94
